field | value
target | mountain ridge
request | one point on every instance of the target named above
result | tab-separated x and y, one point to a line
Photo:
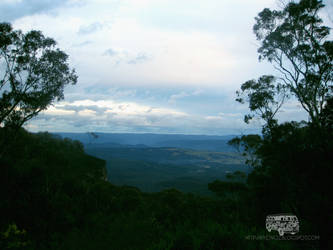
194	142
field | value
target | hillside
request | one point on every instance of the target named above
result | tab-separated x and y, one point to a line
154	169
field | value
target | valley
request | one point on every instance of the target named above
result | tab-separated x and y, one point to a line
153	163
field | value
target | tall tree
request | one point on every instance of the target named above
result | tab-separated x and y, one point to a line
296	42
33	74
265	97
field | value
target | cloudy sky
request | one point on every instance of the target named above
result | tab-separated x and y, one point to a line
160	66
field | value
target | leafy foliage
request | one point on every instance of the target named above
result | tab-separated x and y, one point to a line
265	98
34	75
59	196
296	42
13	238
292	162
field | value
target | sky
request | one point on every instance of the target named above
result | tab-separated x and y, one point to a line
150	66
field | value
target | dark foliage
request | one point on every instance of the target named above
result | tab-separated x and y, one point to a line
54	196
33	76
292	162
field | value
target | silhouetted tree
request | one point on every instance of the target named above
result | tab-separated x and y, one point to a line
265	98
292	161
248	145
33	74
296	42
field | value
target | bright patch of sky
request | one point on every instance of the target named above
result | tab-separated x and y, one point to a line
161	66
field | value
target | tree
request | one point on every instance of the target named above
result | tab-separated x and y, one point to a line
265	98
33	74
249	145
292	161
296	42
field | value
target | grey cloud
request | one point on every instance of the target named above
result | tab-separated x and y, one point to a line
98	110
145	123
103	91
149	110
110	52
42	116
82	44
79	124
105	119
124	117
173	98
91	28
10	11
127	57
140	58
65	121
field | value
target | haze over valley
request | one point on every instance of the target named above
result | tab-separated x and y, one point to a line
153	162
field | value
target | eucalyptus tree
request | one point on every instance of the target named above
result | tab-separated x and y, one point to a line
33	74
296	42
265	97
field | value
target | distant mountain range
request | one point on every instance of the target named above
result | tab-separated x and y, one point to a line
112	140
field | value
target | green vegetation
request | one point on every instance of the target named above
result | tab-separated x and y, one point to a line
54	196
34	74
155	169
293	161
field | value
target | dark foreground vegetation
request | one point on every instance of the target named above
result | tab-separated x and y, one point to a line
54	196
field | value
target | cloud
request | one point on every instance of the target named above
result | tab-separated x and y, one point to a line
110	52
139	58
12	10
91	28
80	109
82	44
113	116
163	57
292	111
124	56
173	98
195	15
109	108
53	111
148	65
